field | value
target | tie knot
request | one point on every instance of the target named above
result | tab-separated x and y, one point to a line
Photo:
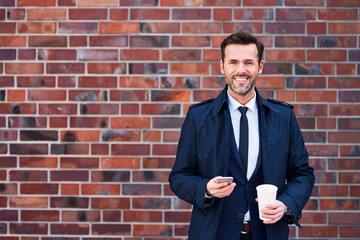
243	110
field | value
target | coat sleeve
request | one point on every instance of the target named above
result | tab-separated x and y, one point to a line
300	175
184	179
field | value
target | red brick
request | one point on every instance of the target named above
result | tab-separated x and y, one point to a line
355	191
47	95
16	95
28	228
36	3
350	231
81	216
222	14
298	41
253	27
129	95
285	55
70	3
309	3
78	41
191	41
7	27
47	41
181	55
143	216
344	82
318	231
69	202
152	136
298	14
344	218
191	14
65	68
160	27
88	14
97	82
139	54
285	28
55	54
96	3
348	123
316	27
163	149
180	82
28	202
201	27
149	41
62	109
160	109
16	14
234	3
179	3
69	189
106	68
69	229
339	204
39	188
108	41
326	55
189	68
130	122
260	3
338	14
24	68
78	27
12	41
326	123
37	27
152	230
314	68
76	148
344	27
343	137
177	216
120	162
26	54
111	229
46	14
39	216
100	189
9	215
171	95
322	150
38	162
119	27
118	14
98	55
110	203
344	3
34	176
316	96
151	203
346	69
149	14
344	110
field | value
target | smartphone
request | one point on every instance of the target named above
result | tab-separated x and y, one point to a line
224	179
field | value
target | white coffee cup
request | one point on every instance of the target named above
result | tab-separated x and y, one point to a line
266	194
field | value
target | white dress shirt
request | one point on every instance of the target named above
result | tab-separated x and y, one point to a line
254	141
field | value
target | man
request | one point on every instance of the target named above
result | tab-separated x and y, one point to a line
261	144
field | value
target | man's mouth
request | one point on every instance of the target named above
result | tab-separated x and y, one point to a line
241	78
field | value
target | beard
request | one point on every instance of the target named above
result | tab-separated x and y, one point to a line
241	90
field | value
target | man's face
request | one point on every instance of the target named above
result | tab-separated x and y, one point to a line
241	68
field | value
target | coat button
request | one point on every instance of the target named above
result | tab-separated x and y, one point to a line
248	186
240	215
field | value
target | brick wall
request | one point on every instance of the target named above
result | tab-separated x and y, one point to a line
93	93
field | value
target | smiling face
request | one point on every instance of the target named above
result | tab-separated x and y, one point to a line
241	70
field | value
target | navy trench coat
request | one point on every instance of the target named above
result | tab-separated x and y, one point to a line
204	152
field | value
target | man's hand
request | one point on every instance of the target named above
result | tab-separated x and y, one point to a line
274	211
219	190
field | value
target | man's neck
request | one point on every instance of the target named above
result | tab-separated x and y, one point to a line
242	99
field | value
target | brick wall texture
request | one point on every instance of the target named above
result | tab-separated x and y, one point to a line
93	94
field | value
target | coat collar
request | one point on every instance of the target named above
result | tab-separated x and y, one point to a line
221	102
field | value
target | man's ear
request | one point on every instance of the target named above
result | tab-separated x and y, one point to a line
261	67
222	67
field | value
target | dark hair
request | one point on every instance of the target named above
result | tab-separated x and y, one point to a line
242	38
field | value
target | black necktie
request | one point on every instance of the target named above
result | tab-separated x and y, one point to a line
244	137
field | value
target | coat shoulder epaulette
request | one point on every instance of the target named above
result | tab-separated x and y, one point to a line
201	103
280	102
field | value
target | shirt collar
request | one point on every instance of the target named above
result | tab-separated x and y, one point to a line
234	105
